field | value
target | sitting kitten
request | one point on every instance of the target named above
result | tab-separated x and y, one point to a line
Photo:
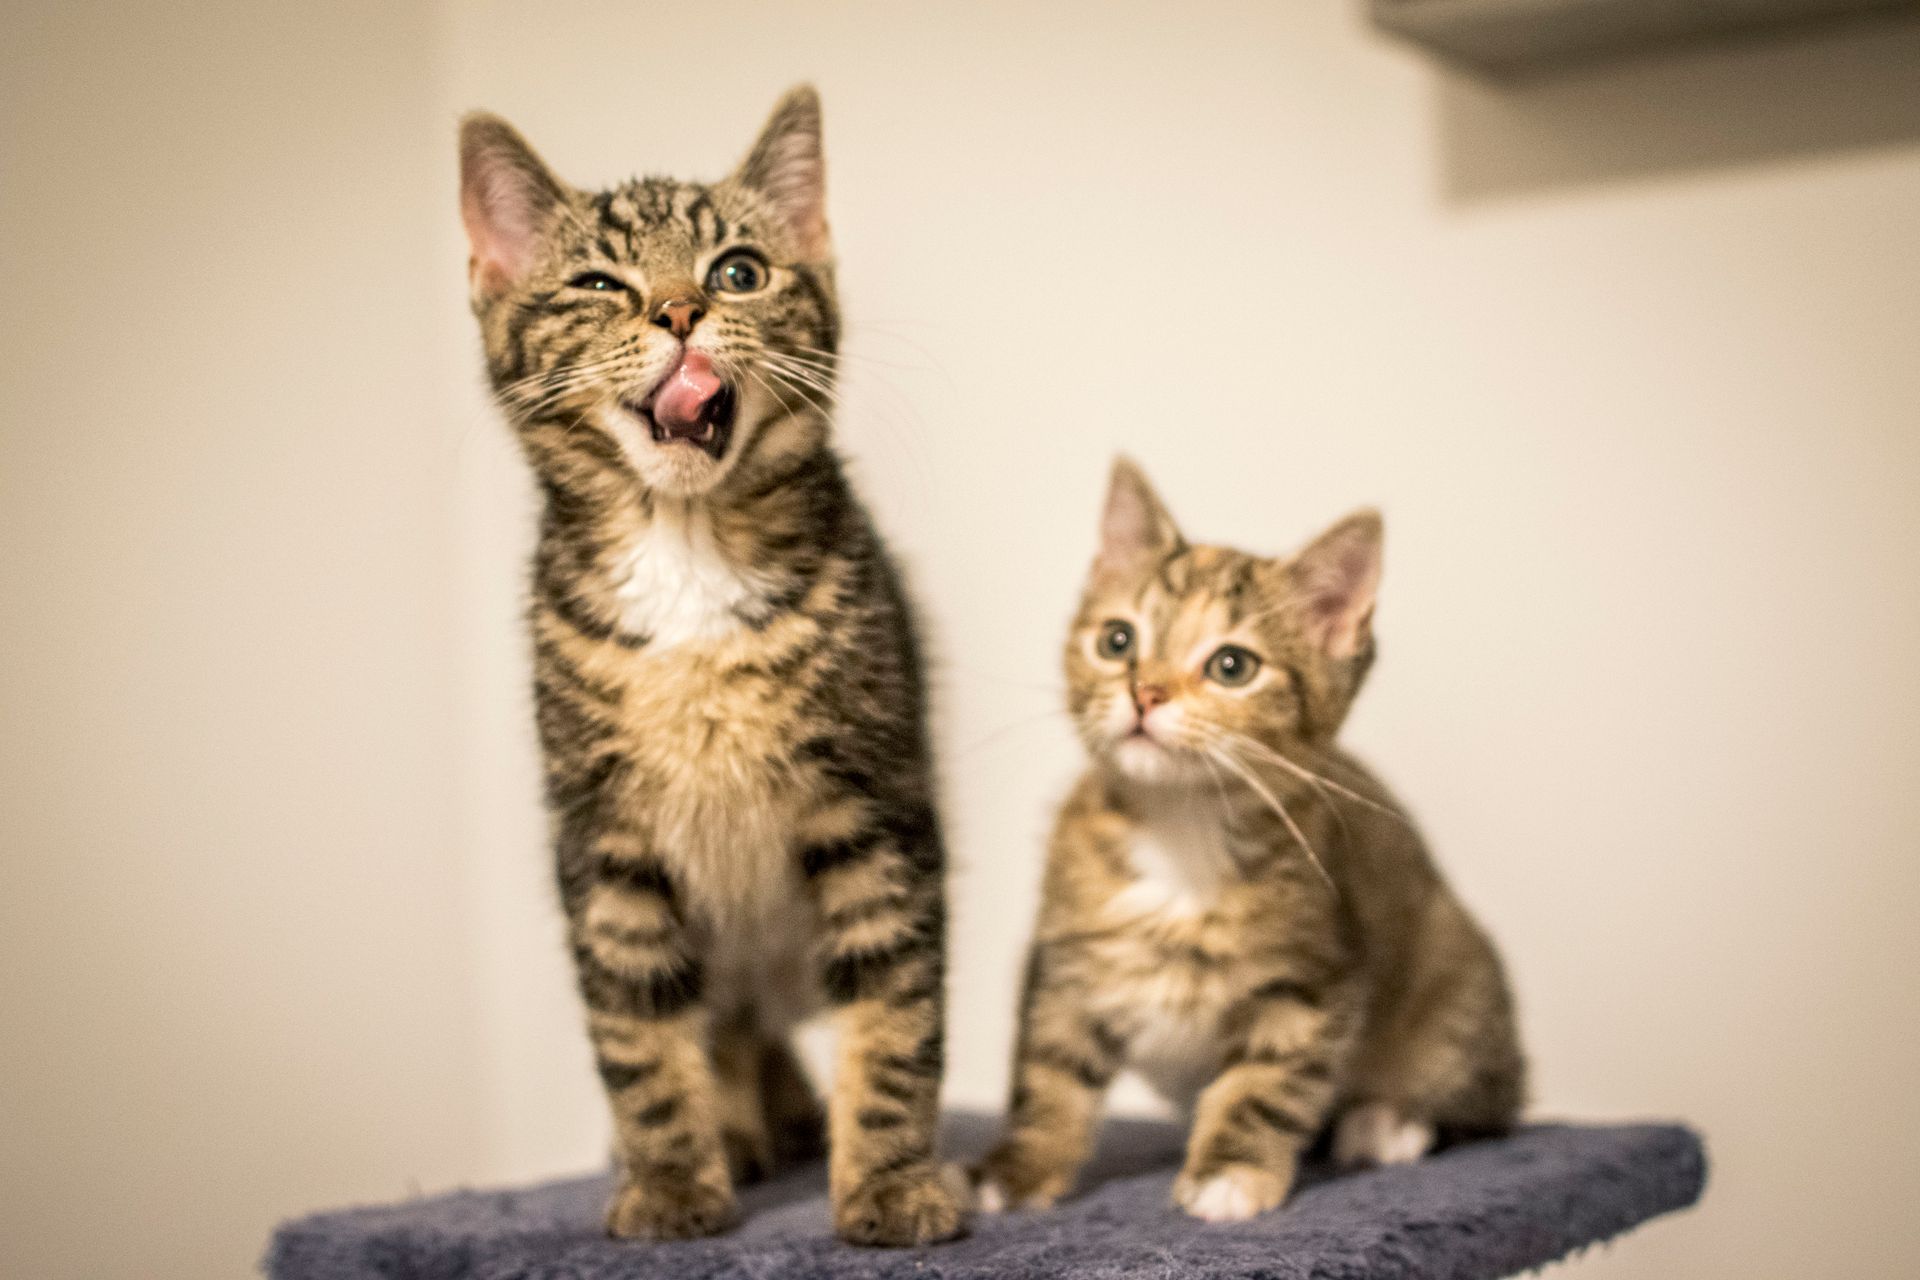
1232	906
728	685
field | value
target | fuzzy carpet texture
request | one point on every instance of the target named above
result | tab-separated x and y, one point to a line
1472	1213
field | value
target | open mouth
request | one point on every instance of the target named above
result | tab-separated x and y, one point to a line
690	406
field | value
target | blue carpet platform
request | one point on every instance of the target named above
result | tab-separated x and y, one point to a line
1471	1213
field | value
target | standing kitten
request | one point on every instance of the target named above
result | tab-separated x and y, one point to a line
728	686
1233	906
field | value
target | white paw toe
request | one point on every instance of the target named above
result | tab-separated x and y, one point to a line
1377	1134
990	1197
1234	1195
1222	1200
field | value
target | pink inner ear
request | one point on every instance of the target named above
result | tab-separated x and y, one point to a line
795	183
503	225
1132	524
497	254
1340	583
1126	527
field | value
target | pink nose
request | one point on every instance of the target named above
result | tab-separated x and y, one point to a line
678	316
1148	696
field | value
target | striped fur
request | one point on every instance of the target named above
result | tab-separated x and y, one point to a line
1187	932
728	688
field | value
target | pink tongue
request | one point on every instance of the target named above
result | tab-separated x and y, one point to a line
683	398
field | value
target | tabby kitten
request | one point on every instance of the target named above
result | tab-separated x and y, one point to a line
727	680
1233	906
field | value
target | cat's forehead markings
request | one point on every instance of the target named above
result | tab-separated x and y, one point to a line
619	224
1175	571
1237	590
708	226
665	216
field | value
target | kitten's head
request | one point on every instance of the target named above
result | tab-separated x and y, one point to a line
670	327
1186	659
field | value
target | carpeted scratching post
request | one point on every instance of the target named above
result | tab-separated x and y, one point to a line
1472	1213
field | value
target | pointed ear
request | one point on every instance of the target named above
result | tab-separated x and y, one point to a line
507	198
1135	526
1337	578
788	167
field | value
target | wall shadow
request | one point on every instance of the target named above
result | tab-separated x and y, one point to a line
1756	100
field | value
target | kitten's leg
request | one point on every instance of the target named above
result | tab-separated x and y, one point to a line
1062	1065
884	944
641	983
1252	1122
1447	1060
737	1047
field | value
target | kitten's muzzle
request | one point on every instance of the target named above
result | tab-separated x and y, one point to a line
691	405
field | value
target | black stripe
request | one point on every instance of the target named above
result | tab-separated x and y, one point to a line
663	993
575	615
816	860
659	1115
637	875
863	912
927	988
828	318
1092	1074
624	1075
1287	989
1271	1116
550	656
914	1153
895	1089
635	937
881	1118
1110	1042
860	974
565	793
918	1063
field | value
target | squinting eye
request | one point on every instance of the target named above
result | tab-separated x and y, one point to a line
1232	666
741	271
598	281
1116	640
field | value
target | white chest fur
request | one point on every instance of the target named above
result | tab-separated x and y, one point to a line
674	583
1180	859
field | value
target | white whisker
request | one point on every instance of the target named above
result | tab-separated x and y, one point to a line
1273	802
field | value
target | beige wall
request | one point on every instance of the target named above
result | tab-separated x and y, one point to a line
233	958
1627	359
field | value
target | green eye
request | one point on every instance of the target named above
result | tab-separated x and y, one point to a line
597	281
1232	666
741	271
1116	640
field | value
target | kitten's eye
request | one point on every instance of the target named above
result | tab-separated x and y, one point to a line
1116	640
742	271
1232	666
597	281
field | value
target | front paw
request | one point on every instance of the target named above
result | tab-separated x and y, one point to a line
1376	1134
1007	1180
1230	1193
917	1205
669	1209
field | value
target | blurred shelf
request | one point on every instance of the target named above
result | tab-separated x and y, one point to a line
1514	37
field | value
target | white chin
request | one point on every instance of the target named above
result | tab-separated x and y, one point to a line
1144	760
674	467
678	468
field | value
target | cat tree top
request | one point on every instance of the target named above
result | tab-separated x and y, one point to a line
1472	1213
